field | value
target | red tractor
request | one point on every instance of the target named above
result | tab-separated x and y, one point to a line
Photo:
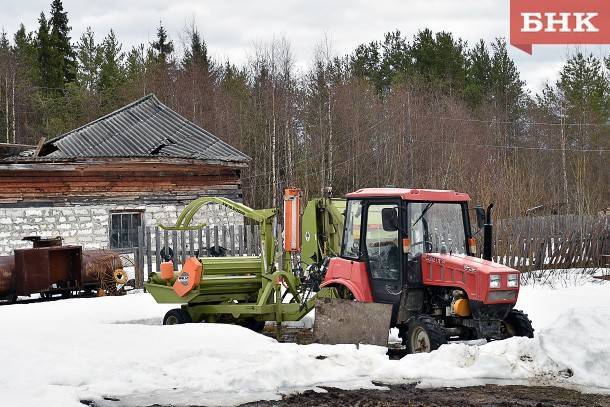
414	249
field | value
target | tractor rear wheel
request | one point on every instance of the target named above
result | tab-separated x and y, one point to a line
425	335
518	324
176	316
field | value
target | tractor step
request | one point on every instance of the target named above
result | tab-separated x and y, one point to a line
346	321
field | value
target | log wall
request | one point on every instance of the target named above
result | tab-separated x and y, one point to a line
111	180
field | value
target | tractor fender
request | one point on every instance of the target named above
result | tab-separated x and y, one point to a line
359	294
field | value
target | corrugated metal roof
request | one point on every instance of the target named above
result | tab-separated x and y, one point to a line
144	128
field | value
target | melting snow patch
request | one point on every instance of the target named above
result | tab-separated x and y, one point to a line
58	353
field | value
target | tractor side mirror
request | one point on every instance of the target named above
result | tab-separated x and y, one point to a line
389	219
480	216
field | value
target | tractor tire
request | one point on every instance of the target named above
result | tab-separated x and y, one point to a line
177	316
518	324
254	325
424	335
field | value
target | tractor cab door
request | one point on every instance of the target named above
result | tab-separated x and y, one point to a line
382	249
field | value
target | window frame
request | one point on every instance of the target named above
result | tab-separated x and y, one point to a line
400	208
121	212
343	241
465	220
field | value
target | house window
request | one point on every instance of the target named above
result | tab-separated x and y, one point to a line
124	229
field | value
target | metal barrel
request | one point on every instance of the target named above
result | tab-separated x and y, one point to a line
7	275
99	265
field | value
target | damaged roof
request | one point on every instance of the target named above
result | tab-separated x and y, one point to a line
145	128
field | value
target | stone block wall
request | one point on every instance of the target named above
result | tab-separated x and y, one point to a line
88	225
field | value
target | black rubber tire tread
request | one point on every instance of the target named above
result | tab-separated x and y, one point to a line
254	325
436	333
520	323
345	293
181	315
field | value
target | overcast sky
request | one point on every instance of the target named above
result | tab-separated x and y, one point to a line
231	27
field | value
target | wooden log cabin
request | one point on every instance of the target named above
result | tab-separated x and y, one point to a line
94	185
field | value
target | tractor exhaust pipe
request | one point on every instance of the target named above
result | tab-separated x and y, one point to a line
487	234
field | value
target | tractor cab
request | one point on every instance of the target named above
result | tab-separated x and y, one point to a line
414	249
388	230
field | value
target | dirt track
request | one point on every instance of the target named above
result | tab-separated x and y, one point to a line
408	395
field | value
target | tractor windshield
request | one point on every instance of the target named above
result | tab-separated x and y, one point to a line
436	225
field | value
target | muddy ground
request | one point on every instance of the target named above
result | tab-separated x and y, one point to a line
409	395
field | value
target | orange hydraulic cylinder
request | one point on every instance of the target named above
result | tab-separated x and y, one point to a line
292	220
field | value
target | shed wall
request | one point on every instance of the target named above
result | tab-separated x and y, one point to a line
88	225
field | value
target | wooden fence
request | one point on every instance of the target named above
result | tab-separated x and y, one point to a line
552	242
526	244
156	245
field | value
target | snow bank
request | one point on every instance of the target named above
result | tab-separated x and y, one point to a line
57	353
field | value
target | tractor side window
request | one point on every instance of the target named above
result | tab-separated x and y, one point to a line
351	239
382	245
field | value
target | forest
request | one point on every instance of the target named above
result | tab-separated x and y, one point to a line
427	111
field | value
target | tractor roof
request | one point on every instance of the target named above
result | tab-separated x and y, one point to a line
428	195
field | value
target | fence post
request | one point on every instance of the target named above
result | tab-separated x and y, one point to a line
240	239
148	250
199	243
175	248
207	240
182	246
157	248
139	258
232	240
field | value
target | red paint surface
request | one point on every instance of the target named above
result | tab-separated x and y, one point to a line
525	40
468	273
351	274
435	195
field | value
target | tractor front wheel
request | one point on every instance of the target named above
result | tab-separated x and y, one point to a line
425	335
518	324
176	316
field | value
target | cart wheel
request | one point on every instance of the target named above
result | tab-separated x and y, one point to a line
176	316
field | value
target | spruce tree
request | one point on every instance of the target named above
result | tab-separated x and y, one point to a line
478	75
26	54
111	70
89	59
197	54
163	47
44	52
63	58
508	94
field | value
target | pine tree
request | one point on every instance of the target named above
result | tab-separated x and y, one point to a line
366	62
439	59
396	63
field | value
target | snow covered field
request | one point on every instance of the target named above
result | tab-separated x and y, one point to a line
57	353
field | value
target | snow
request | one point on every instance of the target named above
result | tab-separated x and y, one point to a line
57	353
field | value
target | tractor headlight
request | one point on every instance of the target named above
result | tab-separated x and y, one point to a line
513	280
494	281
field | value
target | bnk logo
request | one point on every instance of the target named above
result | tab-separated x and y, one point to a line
562	22
558	22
